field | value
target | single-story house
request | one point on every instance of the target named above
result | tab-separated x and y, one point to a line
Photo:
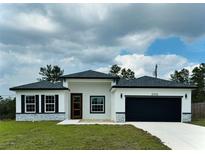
96	95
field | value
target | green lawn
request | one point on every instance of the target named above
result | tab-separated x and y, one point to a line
200	122
48	135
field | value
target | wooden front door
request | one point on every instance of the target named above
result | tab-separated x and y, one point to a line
76	106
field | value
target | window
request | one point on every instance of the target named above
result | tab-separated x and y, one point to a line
97	104
30	104
50	103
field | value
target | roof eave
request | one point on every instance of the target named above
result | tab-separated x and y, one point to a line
15	89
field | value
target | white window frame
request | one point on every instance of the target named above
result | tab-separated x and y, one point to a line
50	103
91	105
30	104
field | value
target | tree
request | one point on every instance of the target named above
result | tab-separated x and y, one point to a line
198	78
1	98
51	73
127	74
181	76
115	70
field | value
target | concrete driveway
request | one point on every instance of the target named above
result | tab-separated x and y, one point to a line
177	136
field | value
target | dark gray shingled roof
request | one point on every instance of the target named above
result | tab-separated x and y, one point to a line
142	82
150	82
89	74
41	85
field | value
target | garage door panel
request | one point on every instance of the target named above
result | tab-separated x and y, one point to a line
153	109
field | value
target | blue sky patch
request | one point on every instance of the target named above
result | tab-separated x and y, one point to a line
193	51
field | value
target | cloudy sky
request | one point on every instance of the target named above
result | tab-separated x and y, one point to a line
95	36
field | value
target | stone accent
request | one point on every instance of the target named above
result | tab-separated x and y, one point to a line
186	117
120	117
40	117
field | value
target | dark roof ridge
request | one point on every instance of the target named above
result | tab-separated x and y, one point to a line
90	74
164	80
88	71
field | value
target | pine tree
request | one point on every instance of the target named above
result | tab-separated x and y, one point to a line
50	73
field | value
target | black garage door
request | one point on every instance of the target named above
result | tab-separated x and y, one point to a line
153	109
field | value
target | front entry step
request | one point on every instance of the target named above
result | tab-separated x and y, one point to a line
68	122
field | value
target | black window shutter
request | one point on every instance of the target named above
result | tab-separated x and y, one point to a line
37	104
42	103
56	103
22	103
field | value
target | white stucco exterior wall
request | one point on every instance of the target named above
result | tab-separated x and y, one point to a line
120	102
113	115
102	87
61	93
91	88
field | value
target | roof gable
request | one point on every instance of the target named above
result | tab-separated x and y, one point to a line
89	74
41	85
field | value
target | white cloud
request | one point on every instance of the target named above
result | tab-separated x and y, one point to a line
36	21
18	58
144	65
138	42
93	13
32	22
104	69
23	75
67	61
17	69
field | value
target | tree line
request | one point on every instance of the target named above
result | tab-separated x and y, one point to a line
7	108
196	77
